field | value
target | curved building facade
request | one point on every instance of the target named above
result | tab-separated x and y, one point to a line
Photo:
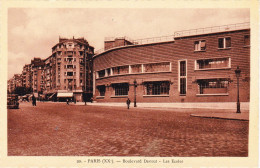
187	68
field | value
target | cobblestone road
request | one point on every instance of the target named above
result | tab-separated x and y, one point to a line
57	129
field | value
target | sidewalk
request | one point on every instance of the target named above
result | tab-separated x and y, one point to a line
221	110
243	116
204	105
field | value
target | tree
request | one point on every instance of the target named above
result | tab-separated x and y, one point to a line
20	91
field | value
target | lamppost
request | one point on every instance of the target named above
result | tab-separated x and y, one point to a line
135	85
238	71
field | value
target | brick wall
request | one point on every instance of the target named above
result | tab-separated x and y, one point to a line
181	48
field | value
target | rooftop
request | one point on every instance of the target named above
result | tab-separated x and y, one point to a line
63	40
215	29
183	33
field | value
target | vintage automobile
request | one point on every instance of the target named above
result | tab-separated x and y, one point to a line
12	101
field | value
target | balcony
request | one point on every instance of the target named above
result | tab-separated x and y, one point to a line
70	49
69	77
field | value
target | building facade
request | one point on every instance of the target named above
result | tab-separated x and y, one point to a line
191	66
37	66
68	71
14	82
27	76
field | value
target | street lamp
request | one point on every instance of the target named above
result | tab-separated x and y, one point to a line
238	71
135	85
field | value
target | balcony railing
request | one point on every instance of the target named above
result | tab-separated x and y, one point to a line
206	30
139	41
215	29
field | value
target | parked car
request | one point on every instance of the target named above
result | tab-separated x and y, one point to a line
12	101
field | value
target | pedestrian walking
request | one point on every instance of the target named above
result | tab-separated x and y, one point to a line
33	101
128	101
67	100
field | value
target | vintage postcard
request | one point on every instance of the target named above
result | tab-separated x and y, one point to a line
124	84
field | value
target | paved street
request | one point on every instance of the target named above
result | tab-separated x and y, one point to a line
57	129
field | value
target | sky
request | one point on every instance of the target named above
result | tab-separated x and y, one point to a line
32	32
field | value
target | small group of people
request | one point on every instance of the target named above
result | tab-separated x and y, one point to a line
128	101
69	100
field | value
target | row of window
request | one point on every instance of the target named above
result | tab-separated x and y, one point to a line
214	63
69	73
69	53
205	86
223	43
202	64
69	46
69	59
133	69
69	66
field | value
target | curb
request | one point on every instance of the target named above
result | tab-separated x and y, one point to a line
223	118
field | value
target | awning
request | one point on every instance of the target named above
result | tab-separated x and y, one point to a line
42	96
52	95
65	95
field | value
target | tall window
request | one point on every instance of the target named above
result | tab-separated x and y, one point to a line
157	88
182	77
214	63
200	45
213	86
224	42
121	89
102	90
247	40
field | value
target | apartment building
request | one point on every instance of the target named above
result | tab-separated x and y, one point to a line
14	82
68	71
27	76
37	66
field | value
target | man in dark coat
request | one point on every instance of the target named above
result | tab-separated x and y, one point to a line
33	101
128	101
